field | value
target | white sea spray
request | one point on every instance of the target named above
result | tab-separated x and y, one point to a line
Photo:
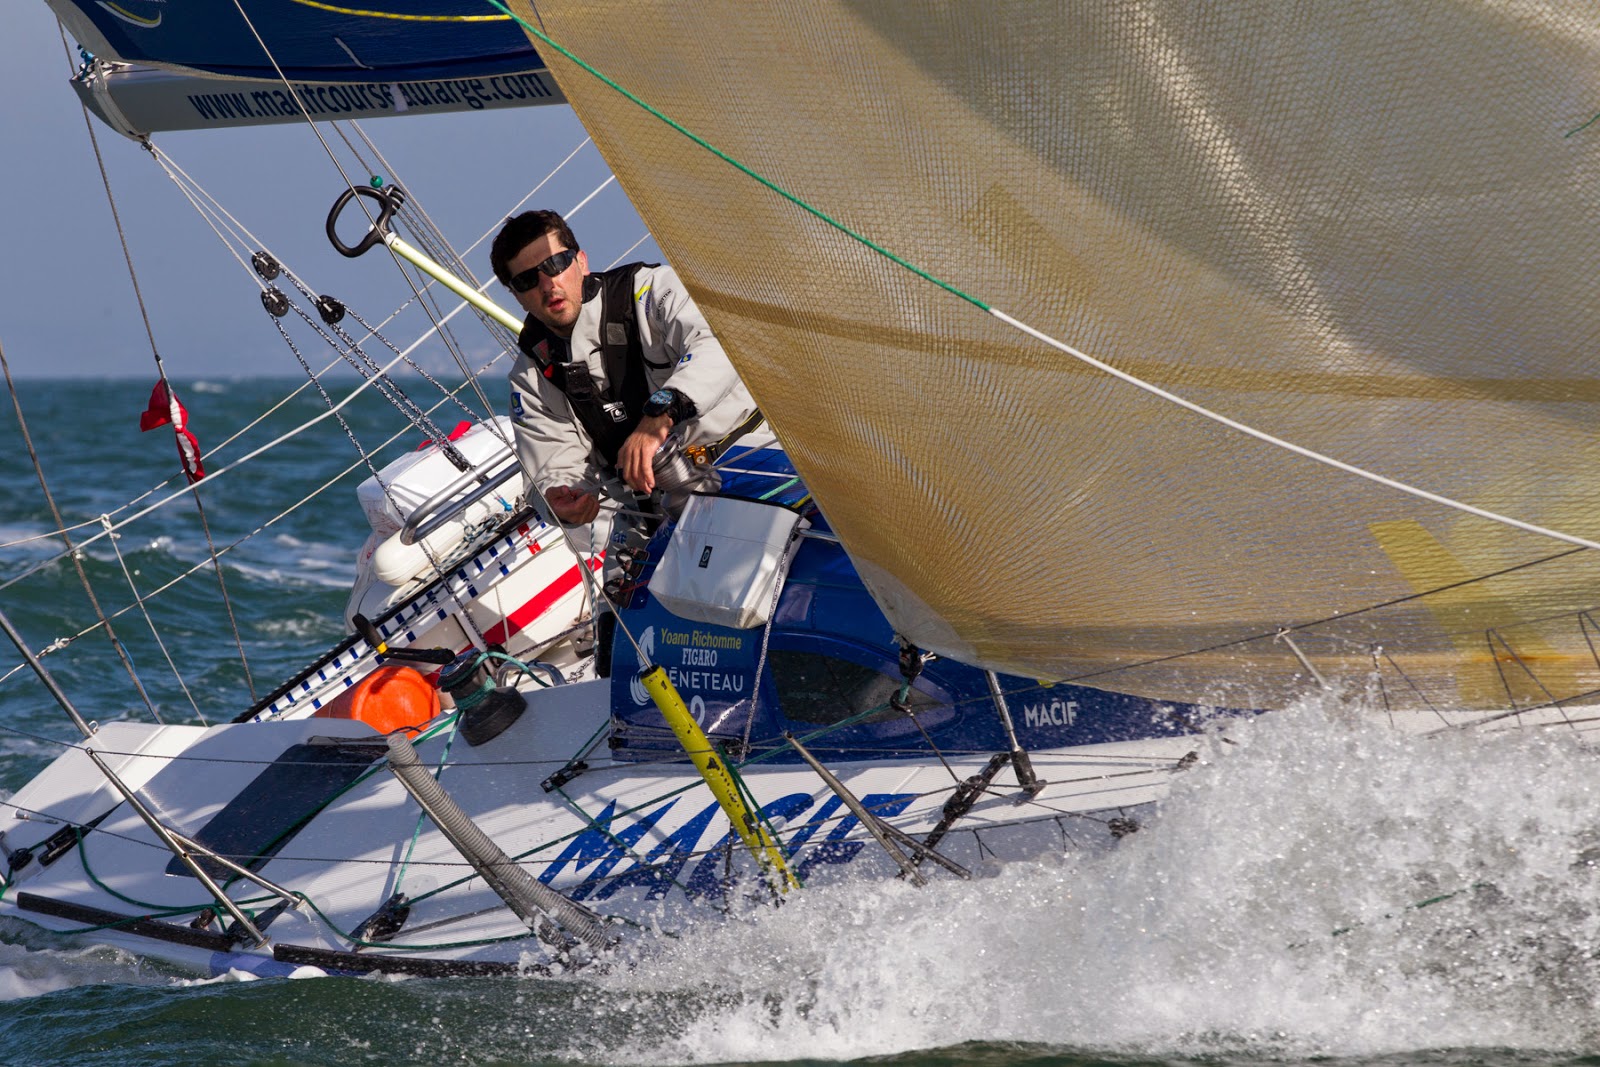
1321	890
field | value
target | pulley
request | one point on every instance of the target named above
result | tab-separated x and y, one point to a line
681	471
331	309
274	301
265	265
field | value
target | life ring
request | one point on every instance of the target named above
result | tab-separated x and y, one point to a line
396	563
390	698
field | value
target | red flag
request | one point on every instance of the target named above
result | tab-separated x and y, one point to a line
164	408
455	435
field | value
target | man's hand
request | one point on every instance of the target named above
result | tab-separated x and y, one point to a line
572	506
636	457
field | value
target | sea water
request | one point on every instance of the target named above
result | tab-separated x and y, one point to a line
1314	891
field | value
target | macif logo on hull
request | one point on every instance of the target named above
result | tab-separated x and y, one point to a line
595	853
1053	713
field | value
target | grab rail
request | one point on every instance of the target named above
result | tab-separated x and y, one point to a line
493	478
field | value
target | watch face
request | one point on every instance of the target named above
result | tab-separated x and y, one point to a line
659	402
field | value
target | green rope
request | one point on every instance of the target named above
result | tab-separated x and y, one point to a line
1578	129
605	831
657	799
435	947
526	670
377	768
164	909
781	488
1417	905
167	911
761	813
422	816
742	168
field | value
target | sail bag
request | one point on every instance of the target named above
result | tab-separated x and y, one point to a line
727	560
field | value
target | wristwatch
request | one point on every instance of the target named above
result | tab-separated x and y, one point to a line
662	402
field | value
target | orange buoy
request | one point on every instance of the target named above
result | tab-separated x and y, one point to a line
390	698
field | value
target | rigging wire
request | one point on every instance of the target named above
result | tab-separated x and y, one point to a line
416	417
437	246
239	237
236	464
597	593
593	590
161	370
428	236
51	535
329	484
229	230
465	619
105	520
71	551
438	322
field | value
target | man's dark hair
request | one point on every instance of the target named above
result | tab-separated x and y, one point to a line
522	230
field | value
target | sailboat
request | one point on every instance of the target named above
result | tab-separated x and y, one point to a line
1134	370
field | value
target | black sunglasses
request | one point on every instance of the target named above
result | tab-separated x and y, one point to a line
551	267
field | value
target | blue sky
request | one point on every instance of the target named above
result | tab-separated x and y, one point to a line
67	308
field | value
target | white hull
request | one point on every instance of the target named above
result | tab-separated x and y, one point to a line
359	851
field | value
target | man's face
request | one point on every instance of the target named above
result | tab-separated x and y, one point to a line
553	301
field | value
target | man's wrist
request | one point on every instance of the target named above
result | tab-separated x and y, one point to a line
671	403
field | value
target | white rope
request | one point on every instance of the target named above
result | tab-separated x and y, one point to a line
629	251
52	535
579	206
531	194
1289	446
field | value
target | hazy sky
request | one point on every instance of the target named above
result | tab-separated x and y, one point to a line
67	307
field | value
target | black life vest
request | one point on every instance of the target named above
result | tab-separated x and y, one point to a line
608	415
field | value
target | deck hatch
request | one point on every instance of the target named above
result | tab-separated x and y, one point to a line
266	814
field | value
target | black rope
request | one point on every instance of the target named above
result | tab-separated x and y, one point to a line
1339	617
161	370
438	326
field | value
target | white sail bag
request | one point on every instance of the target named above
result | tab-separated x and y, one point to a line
727	560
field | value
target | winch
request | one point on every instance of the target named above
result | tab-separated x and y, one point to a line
681	471
485	709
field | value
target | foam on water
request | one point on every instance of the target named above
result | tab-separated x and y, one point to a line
31	972
28	537
1272	908
297	574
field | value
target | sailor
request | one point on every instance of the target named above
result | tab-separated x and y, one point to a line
612	363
